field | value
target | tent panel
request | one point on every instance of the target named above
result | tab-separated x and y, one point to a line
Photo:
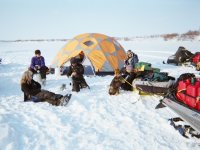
71	46
117	47
101	36
56	59
97	58
121	55
88	68
62	60
113	61
107	46
88	43
107	67
78	47
65	58
97	47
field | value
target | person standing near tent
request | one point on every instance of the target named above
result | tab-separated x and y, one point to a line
33	92
76	71
131	59
38	66
80	57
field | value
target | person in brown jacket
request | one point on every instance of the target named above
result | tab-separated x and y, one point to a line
33	92
76	71
116	83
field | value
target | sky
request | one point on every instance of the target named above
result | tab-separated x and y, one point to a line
47	19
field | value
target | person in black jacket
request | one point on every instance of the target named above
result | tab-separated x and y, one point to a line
116	83
76	71
129	75
33	92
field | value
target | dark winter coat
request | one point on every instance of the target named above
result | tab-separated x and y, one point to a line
34	93
37	61
115	85
79	69
129	77
78	80
30	89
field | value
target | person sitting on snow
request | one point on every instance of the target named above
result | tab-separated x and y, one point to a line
33	92
116	83
131	59
76	71
129	74
38	65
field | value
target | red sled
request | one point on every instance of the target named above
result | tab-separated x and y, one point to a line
181	97
196	58
198	105
182	85
190	101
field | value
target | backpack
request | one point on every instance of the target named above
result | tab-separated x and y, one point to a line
147	66
185	76
196	58
187	90
160	76
156	76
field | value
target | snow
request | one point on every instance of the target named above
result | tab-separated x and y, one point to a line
93	119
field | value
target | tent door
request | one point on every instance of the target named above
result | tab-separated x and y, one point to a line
88	68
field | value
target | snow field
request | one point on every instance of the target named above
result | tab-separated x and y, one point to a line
93	119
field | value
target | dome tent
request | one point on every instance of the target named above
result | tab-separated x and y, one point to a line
103	54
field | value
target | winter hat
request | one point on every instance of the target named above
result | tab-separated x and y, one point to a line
129	68
37	52
129	51
73	60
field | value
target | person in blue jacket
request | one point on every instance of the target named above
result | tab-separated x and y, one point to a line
38	65
131	59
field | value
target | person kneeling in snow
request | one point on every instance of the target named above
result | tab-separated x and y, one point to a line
33	92
38	66
129	74
116	83
76	71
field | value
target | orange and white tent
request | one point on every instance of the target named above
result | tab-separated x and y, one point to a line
103	53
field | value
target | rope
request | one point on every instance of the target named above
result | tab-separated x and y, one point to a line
127	82
132	90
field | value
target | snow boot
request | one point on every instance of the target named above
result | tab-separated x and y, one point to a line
65	100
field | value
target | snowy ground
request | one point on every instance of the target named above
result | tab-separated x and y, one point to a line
93	119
